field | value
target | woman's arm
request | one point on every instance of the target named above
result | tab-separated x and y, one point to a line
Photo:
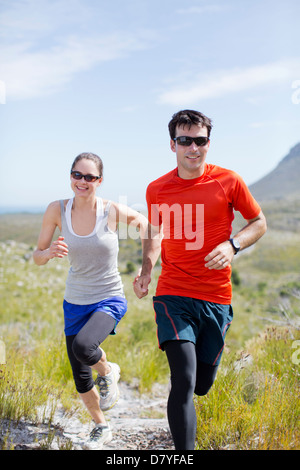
46	249
120	213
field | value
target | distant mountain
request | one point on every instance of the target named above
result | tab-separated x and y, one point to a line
281	183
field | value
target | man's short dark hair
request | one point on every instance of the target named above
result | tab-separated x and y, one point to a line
189	118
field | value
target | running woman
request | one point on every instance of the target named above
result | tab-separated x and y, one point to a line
192	207
94	300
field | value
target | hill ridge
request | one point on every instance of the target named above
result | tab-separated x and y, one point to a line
283	182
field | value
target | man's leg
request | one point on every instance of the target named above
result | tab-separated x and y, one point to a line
210	343
206	375
181	411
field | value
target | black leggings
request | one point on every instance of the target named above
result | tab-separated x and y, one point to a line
188	376
83	349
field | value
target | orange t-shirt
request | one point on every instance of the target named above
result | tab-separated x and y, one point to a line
197	216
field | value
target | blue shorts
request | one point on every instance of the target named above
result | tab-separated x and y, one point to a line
76	316
203	323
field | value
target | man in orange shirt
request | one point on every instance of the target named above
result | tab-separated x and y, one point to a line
190	212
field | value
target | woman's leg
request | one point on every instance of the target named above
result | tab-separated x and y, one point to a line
181	411
86	342
84	354
85	384
91	401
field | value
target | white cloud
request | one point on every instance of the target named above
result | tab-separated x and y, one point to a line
22	17
45	43
273	124
226	82
28	73
210	8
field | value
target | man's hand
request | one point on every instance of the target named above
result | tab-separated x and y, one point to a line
220	257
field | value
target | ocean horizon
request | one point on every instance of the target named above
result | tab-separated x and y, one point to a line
22	209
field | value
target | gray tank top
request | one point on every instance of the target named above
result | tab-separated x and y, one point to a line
93	275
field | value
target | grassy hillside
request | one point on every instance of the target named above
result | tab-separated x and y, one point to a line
20	227
253	404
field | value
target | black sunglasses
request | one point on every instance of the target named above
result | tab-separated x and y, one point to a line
187	141
89	178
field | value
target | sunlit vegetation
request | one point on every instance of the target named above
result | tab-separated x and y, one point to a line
254	403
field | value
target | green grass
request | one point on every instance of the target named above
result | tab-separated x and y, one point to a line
20	397
252	408
255	407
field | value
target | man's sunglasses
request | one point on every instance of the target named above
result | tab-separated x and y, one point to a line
89	178
187	141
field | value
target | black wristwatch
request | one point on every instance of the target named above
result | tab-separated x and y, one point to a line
235	244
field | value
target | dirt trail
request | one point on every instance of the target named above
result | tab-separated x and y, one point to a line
138	422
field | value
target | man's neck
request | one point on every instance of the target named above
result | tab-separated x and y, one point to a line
190	175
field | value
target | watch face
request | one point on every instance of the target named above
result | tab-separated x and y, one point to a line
235	244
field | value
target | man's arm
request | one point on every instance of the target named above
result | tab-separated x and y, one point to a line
222	255
151	251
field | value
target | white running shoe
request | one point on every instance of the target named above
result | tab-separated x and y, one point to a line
108	387
101	434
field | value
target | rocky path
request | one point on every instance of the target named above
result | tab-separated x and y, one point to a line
138	422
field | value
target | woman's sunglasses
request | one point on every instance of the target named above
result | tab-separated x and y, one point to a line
187	141
88	178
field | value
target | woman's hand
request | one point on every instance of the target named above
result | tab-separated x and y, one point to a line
58	248
140	285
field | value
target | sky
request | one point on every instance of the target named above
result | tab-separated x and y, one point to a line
106	77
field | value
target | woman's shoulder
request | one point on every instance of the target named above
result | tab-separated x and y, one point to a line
55	206
53	210
107	204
